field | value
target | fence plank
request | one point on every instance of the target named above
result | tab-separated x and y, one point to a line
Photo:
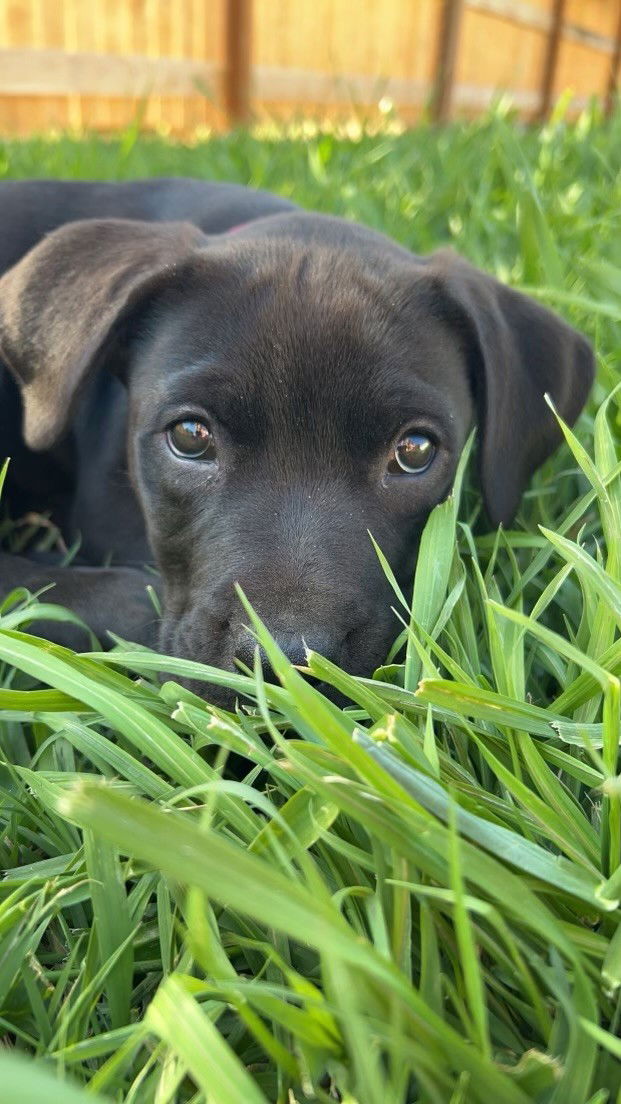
551	58
615	65
237	74
25	72
446	58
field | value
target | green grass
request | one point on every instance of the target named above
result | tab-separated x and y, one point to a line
416	898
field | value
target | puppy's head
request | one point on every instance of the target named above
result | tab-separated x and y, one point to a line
292	386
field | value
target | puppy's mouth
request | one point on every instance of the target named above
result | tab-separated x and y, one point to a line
218	645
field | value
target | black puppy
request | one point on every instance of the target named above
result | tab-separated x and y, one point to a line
240	396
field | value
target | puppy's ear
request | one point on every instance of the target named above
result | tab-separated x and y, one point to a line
517	351
63	306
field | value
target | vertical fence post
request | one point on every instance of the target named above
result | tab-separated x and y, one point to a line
615	65
238	61
446	58
550	60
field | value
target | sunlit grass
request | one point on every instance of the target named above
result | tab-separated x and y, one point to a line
412	900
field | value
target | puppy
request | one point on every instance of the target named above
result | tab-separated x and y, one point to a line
206	378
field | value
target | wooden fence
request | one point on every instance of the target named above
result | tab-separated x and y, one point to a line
183	65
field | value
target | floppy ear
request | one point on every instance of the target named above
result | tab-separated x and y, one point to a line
518	351
66	302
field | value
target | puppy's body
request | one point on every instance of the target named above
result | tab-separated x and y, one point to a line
309	350
29	209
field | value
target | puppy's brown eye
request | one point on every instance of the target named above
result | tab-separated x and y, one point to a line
412	454
191	440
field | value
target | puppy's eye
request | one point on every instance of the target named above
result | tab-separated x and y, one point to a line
412	454
191	440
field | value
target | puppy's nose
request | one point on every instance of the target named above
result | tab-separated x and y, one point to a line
295	646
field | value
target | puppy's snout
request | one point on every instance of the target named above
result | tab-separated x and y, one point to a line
295	646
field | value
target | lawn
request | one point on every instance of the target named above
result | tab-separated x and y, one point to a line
415	899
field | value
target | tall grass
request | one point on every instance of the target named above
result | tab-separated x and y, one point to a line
412	899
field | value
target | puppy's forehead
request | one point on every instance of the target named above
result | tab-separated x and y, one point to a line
280	323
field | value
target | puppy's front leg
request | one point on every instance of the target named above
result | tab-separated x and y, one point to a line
105	598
